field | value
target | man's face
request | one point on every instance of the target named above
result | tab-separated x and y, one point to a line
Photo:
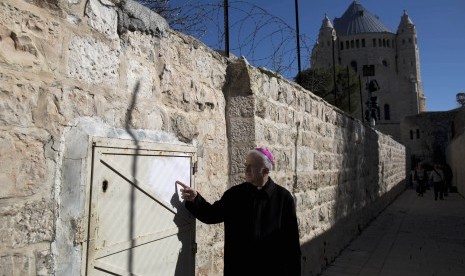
253	169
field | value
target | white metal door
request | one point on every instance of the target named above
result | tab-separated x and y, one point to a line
138	224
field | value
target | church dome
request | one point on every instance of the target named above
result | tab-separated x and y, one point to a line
357	20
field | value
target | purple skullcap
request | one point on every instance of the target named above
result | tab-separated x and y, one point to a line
267	153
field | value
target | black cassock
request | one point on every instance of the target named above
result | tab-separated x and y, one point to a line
261	230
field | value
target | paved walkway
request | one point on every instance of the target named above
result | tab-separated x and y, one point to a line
413	236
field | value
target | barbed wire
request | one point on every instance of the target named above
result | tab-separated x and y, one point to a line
264	39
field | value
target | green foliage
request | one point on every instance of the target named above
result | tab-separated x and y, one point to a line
320	82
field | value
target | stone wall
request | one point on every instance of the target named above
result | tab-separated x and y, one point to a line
341	172
76	69
456	151
427	135
455	154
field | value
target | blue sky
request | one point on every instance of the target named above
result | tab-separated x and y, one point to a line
440	27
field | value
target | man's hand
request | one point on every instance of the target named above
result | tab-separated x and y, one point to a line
187	193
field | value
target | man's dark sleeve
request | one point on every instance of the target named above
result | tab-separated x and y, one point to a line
206	212
291	234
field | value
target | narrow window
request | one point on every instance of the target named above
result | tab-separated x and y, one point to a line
342	45
328	43
403	41
384	42
380	42
387	112
351	44
411	134
374	42
410	40
418	133
357	43
363	42
347	44
353	64
388	43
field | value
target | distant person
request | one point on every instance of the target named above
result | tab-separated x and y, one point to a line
420	178
448	178
260	222
437	177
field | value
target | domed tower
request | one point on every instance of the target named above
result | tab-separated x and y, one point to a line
408	61
322	53
363	41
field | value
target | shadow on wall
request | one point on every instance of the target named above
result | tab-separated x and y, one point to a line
132	194
359	198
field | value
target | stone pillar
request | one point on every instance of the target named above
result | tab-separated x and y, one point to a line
240	123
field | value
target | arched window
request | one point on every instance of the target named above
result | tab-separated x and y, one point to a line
387	112
411	134
374	42
353	64
363	42
342	45
418	133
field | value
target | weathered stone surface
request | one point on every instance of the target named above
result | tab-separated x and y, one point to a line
23	168
28	39
135	17
103	17
15	264
25	224
185	130
139	79
242	130
44	263
92	61
18	96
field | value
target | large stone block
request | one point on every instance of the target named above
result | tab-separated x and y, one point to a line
103	17
29	39
241	130
139	79
16	264
18	97
27	223
24	168
92	61
184	128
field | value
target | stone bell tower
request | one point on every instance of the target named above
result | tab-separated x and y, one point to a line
362	41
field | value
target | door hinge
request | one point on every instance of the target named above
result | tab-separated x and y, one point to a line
194	167
194	248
